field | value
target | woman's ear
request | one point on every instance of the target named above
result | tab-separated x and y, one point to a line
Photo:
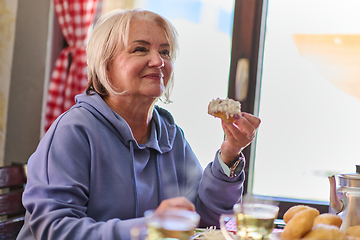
108	70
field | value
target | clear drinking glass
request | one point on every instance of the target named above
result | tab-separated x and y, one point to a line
172	224
253	221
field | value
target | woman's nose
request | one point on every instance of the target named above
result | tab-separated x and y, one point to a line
156	60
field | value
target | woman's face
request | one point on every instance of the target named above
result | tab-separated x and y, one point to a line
143	67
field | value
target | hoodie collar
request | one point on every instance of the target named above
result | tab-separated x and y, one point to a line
163	128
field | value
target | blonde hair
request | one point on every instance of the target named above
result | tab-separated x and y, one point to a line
109	36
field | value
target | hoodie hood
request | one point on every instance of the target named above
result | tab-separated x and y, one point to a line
163	127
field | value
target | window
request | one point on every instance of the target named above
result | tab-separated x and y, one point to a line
304	86
201	68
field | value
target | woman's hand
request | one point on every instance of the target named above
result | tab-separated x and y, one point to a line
175	203
238	135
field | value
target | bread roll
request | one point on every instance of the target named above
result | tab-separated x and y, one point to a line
353	231
300	224
329	219
325	232
294	210
224	109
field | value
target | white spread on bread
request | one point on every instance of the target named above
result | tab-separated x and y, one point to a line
211	233
227	106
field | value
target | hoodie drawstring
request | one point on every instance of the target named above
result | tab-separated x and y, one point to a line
133	180
158	177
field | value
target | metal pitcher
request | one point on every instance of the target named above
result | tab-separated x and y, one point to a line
345	200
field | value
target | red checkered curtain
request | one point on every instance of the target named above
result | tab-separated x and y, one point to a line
74	17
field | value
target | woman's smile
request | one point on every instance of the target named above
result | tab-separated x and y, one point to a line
154	76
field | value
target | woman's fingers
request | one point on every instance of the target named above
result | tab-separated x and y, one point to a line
245	126
254	121
175	203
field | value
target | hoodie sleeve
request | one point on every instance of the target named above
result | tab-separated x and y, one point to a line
218	193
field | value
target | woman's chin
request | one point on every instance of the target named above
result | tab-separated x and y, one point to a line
156	93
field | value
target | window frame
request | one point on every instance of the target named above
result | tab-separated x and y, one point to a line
248	42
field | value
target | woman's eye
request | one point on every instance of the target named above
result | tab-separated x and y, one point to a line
140	49
165	52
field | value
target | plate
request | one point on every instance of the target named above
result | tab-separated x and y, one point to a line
215	234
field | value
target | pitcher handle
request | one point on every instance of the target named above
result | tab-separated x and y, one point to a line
224	218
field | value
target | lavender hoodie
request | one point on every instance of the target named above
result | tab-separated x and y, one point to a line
90	179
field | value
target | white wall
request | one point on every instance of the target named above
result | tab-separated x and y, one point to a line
7	35
28	71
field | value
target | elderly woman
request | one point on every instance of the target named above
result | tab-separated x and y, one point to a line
115	154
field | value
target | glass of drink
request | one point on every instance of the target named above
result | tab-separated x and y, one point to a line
253	221
172	224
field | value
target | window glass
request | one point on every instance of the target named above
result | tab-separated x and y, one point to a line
309	98
201	68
